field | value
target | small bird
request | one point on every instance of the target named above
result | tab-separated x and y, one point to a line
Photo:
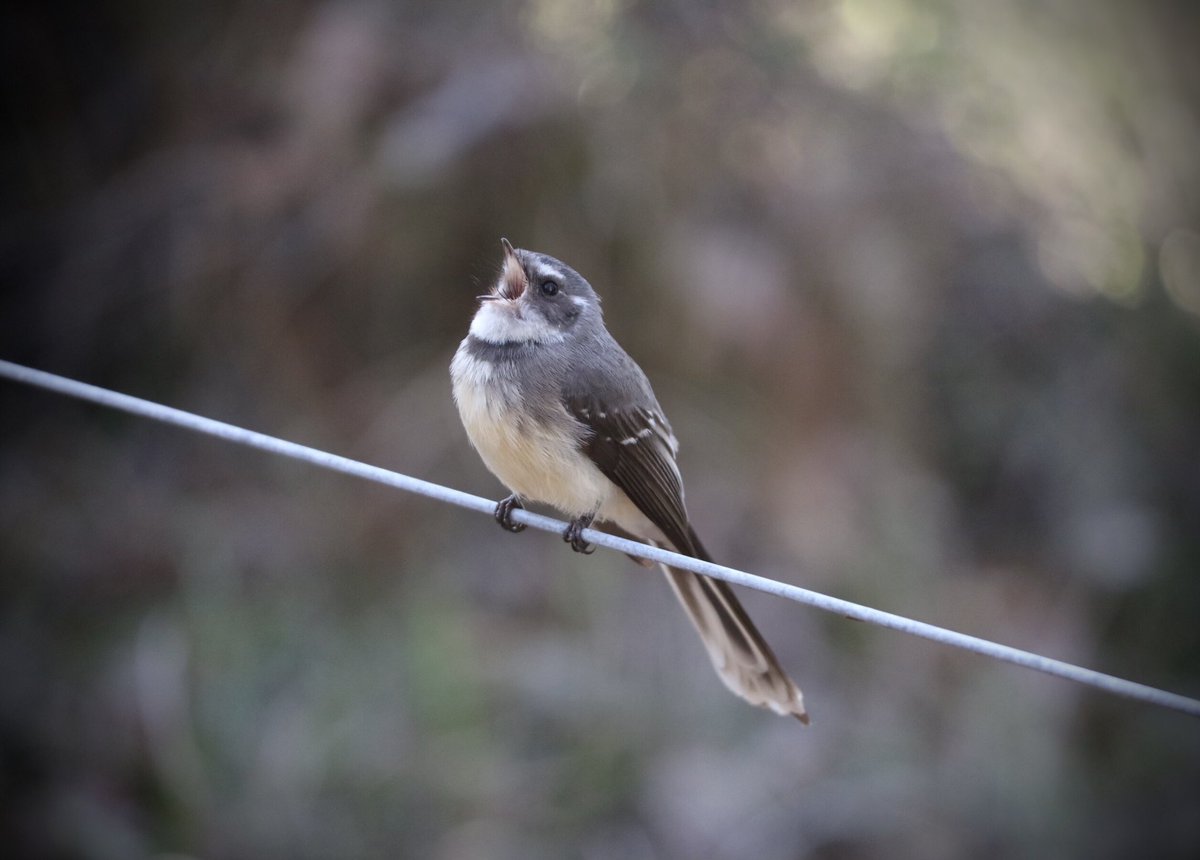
563	416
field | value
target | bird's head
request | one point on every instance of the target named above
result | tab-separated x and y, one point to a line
536	298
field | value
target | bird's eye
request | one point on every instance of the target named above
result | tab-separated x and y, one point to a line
549	288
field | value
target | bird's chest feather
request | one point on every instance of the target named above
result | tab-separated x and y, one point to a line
536	454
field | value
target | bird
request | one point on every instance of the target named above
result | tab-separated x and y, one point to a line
563	416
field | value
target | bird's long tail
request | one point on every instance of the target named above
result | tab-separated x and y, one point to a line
742	658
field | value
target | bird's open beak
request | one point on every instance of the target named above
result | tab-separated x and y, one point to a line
512	279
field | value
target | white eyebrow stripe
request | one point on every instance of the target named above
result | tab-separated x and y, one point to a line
547	271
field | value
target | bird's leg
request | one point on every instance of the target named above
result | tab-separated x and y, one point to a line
503	514
572	534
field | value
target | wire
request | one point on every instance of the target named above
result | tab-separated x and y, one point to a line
239	435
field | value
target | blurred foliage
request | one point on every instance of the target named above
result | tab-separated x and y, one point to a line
929	279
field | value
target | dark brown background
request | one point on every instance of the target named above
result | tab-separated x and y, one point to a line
917	282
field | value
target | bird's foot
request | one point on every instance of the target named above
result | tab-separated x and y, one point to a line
573	534
503	514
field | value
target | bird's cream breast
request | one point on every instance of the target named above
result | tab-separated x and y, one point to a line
539	461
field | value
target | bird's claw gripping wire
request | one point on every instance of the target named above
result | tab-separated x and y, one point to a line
573	534
503	513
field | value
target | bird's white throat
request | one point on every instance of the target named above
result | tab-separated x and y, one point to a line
503	321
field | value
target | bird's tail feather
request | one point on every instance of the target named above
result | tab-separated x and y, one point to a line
742	658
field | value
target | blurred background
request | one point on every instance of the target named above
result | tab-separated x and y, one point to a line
918	283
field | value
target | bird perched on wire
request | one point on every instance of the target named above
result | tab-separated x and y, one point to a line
562	415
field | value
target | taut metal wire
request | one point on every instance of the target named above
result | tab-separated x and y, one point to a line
232	433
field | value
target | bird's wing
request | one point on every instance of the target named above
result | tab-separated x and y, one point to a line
635	449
